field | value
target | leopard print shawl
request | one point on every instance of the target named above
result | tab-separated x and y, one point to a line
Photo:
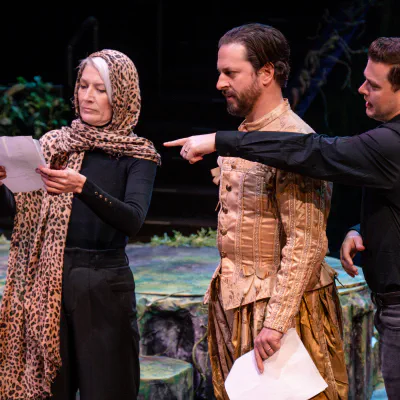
30	309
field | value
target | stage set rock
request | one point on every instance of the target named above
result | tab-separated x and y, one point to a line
170	284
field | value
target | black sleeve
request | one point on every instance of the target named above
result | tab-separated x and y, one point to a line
7	202
370	159
355	228
127	216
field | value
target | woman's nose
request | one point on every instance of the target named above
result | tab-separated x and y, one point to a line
88	94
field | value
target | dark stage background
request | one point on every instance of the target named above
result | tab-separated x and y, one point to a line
174	46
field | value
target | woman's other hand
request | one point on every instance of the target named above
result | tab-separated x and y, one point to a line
61	181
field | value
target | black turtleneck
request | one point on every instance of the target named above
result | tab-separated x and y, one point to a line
113	203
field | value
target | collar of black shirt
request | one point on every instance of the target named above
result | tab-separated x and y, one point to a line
395	119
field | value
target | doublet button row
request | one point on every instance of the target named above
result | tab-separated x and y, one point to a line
224	231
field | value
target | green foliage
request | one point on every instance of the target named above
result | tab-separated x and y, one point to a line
3	240
203	238
32	108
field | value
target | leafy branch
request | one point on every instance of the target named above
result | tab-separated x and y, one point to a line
203	238
3	240
31	108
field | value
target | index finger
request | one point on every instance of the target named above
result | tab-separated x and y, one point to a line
51	172
177	142
345	257
259	360
352	271
348	265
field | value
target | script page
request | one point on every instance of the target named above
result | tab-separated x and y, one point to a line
21	155
290	374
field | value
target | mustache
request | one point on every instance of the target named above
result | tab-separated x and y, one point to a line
229	93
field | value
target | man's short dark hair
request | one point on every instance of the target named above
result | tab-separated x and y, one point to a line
264	44
386	50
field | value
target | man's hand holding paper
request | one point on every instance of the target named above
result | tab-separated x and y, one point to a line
288	374
266	344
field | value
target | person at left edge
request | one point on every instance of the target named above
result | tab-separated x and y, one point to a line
68	315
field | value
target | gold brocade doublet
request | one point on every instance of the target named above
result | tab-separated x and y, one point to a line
271	230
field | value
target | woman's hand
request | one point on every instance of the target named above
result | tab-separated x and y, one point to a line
3	174
61	181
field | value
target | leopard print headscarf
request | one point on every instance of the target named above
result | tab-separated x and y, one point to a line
30	309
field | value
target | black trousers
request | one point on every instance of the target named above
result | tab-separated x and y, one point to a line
387	322
98	331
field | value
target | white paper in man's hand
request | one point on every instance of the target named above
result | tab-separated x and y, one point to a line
290	374
21	155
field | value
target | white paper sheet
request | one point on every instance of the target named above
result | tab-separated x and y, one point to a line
290	374
21	155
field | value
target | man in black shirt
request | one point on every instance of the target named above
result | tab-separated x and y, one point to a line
370	160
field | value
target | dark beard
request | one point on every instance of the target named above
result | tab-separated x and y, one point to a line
244	101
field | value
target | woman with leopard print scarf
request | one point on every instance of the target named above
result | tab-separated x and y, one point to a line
68	315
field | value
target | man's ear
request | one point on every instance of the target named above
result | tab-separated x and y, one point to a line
266	73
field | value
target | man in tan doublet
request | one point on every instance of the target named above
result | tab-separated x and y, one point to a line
271	227
272	241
